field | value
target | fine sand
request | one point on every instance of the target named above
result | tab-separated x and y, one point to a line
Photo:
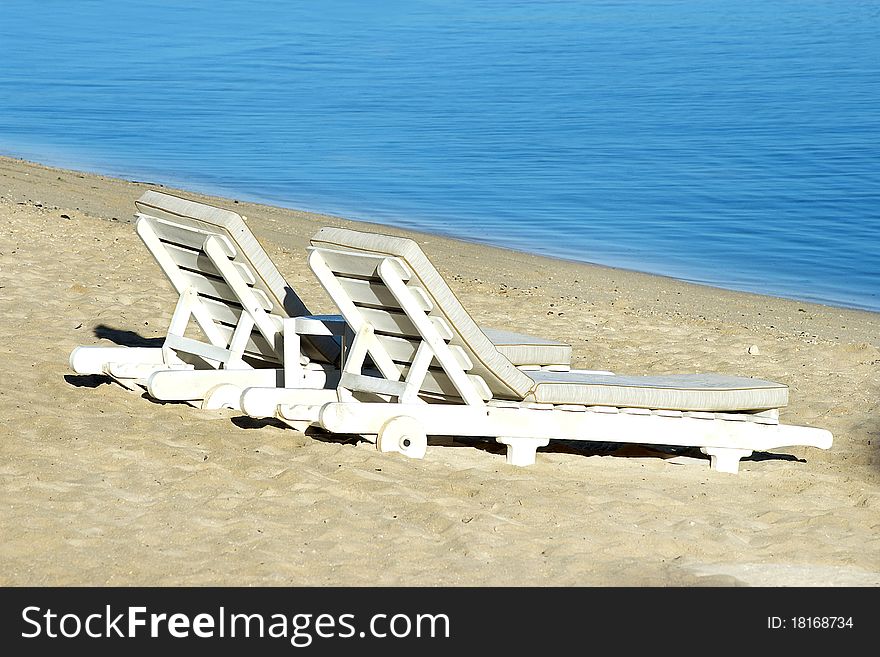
102	486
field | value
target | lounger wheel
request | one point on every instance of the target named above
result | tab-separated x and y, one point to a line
403	434
225	395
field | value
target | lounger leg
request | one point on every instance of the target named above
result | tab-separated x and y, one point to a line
521	451
725	459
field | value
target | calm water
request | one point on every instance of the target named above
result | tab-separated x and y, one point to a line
734	144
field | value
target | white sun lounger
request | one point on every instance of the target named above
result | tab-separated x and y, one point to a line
432	371
233	313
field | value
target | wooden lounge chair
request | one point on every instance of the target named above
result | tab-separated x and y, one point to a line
420	366
237	323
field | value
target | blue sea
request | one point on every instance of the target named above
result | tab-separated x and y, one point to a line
735	144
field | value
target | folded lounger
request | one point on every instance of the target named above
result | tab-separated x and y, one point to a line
431	370
233	313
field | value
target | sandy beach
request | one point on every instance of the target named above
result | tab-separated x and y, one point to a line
102	486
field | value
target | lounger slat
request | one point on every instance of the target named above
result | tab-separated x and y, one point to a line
256	345
197	347
368	292
215	287
356	265
198	261
388	322
373	384
403	350
187	236
227	313
399	324
230	313
437	382
374	293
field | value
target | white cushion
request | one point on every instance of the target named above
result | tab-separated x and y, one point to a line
682	392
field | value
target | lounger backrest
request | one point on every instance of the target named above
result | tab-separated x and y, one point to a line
493	375
182	227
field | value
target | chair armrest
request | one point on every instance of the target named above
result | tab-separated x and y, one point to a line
317	324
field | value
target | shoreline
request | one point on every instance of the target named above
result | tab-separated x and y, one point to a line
55	186
106	487
219	196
